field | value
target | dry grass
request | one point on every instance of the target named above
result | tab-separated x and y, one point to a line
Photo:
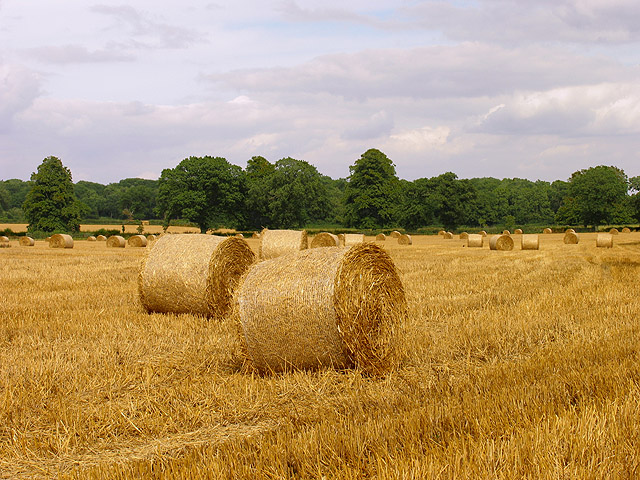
540	380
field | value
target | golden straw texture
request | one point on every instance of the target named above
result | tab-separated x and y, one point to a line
91	238
116	241
4	242
101	238
475	240
61	240
483	233
614	231
274	243
27	241
547	230
355	238
381	237
255	235
626	230
569	230
151	238
517	231
604	240
323	307
464	236
530	242
501	242
395	234
571	238
193	273
325	239
441	232
405	239
447	235
137	241
506	232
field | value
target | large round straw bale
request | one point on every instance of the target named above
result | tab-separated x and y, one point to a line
530	242
569	230
323	307
61	240
626	230
27	241
517	231
354	238
274	243
151	238
464	235
4	238
501	242
193	273
405	239
101	238
604	240
447	235
381	237
506	232
614	231
475	240
395	234
91	238
571	238
547	230
137	241
483	233
441	232
116	241
325	239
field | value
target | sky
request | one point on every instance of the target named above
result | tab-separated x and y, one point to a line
481	88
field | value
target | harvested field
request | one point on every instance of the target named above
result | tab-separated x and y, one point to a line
524	364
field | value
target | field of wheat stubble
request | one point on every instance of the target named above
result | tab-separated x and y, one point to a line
516	364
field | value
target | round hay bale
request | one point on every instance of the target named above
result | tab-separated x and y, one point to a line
547	230
351	239
626	230
255	235
395	234
604	240
116	241
447	235
614	231
501	242
101	238
530	242
483	233
194	273
332	307
517	231
464	236
441	232
4	238
61	240
325	239
137	241
27	241
475	240
405	239
151	238
506	232
239	235
571	238
274	243
569	230
91	238
381	237
341	238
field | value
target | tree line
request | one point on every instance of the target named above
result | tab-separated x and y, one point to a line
211	193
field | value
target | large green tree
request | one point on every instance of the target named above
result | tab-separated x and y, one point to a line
454	200
259	171
372	192
207	191
634	200
51	204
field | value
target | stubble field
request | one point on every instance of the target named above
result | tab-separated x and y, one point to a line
521	364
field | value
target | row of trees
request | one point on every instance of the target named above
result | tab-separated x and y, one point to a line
290	193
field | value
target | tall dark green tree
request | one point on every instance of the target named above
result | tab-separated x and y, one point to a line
207	191
372	192
258	172
454	200
634	199
51	204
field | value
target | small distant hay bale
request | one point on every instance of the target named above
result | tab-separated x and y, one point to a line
27	241
341	238
571	238
4	238
101	238
193	273
604	240
61	240
483	233
530	242
151	238
405	239
91	238
274	243
441	232
137	241
381	237
325	239
351	239
116	241
517	231
255	235
447	235
323	307
475	240
4	242
239	235
547	230
506	232
464	236
626	230
395	234
569	230
501	242
614	231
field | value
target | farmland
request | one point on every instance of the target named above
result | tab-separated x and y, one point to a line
518	364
